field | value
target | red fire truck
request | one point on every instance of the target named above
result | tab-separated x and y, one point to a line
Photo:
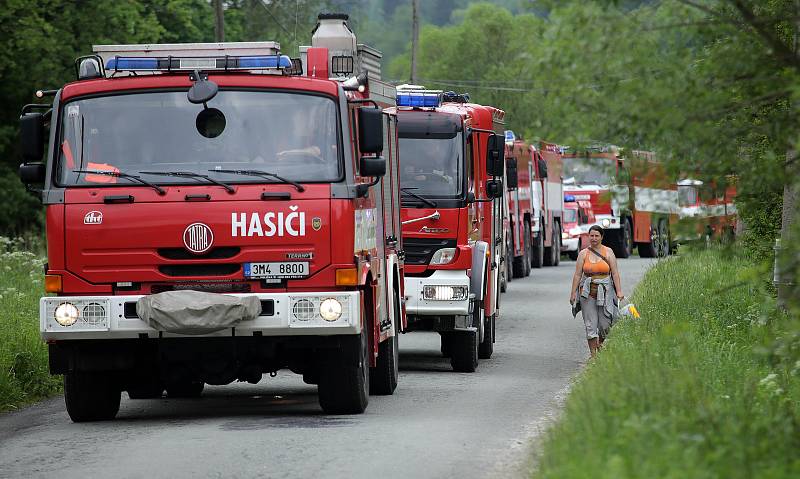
451	183
578	218
638	203
536	203
216	212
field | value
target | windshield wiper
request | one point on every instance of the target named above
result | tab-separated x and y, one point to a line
119	174
189	174
264	174
408	192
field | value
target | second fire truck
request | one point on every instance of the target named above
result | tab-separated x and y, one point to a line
451	182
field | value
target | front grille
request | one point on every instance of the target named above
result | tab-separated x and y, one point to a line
199	269
420	250
223	252
204	286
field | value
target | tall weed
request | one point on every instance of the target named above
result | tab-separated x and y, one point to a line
24	374
705	384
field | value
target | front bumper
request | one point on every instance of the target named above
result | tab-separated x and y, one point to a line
416	304
570	244
104	317
608	222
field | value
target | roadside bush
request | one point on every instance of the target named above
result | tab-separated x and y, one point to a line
706	384
24	374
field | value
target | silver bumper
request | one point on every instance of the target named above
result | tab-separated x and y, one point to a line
570	244
103	317
416	304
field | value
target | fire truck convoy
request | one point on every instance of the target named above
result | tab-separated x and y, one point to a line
452	211
634	200
218	211
535	202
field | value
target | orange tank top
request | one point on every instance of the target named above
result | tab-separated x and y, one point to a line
594	265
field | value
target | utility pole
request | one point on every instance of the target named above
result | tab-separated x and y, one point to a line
414	39
219	22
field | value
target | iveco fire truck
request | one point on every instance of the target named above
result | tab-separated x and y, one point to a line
638	203
452	197
216	212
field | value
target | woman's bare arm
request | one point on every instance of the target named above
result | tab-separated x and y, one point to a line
578	273
612	259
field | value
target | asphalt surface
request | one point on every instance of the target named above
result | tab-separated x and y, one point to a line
438	424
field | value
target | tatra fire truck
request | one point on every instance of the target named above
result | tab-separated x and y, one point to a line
638	203
536	203
216	212
452	197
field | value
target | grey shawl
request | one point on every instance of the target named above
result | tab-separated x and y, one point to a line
606	294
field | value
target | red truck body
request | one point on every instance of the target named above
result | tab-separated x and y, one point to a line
272	186
452	223
639	204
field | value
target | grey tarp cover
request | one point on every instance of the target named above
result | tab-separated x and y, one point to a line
195	312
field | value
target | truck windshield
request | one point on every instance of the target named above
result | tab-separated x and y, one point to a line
432	166
588	171
295	136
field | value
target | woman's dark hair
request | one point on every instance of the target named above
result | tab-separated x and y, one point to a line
597	228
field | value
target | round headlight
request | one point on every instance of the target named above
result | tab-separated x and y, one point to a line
605	223
330	309
66	314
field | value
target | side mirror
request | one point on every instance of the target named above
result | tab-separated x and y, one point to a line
32	173
495	155
494	189
512	180
372	166
370	131
542	168
31	127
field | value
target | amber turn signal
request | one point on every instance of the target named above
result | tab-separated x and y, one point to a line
52	283
347	277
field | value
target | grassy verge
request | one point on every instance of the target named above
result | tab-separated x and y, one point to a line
705	385
24	375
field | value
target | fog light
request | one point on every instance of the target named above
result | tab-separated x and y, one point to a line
444	293
605	223
443	256
66	314
330	309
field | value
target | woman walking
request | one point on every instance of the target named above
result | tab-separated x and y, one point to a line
596	284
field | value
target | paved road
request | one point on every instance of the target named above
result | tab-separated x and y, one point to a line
438	424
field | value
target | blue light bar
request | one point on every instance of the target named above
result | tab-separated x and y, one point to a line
569	198
256	62
419	99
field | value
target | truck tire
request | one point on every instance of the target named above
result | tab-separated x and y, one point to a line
649	250
549	257
486	348
464	351
186	389
557	245
519	264
663	236
538	251
383	377
528	252
573	255
509	263
626	247
91	396
447	344
344	386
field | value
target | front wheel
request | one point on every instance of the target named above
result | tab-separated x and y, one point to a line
344	378
538	251
573	255
486	347
464	351
91	396
383	377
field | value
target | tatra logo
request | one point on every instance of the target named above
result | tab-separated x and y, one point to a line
316	223
198	238
426	229
270	224
93	218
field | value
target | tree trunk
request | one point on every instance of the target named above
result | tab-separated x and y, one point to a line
787	266
219	21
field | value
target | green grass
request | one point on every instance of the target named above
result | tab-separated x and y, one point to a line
705	385
24	374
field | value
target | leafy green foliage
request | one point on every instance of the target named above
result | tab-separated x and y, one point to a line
705	384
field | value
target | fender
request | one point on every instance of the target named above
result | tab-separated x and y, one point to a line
476	283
